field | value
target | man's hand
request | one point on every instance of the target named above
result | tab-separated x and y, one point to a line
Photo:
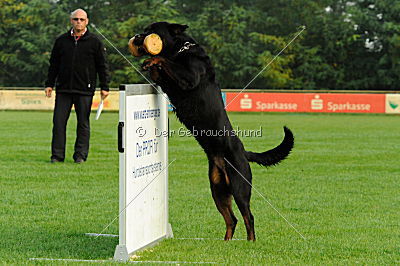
104	94
48	91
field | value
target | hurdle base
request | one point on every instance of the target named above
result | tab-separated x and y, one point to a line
121	253
170	234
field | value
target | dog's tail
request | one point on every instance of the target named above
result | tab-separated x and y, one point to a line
275	155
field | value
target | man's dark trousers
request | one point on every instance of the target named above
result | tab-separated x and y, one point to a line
62	110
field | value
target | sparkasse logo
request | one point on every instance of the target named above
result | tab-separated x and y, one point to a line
246	103
317	103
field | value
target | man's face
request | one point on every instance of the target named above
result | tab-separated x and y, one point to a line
79	21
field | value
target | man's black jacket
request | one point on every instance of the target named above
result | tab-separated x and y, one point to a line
74	65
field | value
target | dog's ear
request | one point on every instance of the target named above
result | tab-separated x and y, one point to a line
176	29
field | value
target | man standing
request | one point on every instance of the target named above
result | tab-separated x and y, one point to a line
78	56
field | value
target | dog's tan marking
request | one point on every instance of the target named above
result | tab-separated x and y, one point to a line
133	48
220	163
215	176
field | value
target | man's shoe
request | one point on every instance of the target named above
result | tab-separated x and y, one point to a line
54	160
79	160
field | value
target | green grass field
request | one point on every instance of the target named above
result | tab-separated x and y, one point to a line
340	188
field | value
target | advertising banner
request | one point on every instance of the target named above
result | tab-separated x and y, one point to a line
36	100
25	100
237	102
392	103
306	102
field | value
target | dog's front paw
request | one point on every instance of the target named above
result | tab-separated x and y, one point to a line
154	61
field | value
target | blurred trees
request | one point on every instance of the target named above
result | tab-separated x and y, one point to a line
346	44
25	29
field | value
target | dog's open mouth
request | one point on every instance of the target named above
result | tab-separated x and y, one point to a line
140	45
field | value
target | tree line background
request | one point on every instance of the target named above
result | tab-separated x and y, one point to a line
347	45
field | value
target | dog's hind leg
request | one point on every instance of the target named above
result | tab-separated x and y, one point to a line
222	195
241	191
223	201
248	218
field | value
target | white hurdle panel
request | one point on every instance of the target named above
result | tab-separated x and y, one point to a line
143	169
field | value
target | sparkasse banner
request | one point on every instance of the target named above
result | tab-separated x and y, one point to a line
306	102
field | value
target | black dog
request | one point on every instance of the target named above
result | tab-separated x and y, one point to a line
185	73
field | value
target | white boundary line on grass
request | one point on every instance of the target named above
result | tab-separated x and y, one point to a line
177	238
131	261
96	235
71	260
200	238
173	262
